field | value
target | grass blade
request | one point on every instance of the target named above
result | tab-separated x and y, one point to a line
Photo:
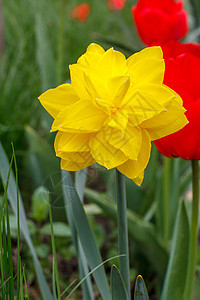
26	297
91	272
18	224
12	196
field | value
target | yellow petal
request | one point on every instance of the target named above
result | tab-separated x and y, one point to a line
104	105
146	66
159	93
147	53
92	55
71	142
118	120
133	168
77	80
112	91
141	105
129	143
139	179
147	71
76	161
95	48
94	84
105	154
55	100
112	64
166	122
82	116
118	87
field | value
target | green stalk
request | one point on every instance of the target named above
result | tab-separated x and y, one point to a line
55	266
122	229
166	204
2	257
60	41
193	232
18	224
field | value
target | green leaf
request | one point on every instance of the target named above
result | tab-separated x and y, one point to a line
140	231
40	207
60	229
42	250
174	283
118	289
80	181
140	292
85	234
56	281
46	62
44	168
12	196
41	165
14	228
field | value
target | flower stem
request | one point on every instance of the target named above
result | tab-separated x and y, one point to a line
193	231
122	229
166	208
195	8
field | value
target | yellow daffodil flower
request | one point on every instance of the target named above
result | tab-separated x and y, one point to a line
112	110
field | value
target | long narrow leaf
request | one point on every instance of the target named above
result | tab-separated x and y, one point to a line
85	234
80	180
45	62
174	283
18	224
55	266
140	289
118	289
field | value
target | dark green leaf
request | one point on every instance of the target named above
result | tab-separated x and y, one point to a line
60	229
174	283
140	292
118	289
40	207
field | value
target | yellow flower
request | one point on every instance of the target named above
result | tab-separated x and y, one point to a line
112	110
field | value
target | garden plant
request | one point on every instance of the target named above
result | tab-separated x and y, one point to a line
99	149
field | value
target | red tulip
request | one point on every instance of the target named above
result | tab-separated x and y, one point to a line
160	20
116	4
80	12
182	66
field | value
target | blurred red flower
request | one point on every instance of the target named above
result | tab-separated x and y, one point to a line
80	12
160	20
182	65
116	4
